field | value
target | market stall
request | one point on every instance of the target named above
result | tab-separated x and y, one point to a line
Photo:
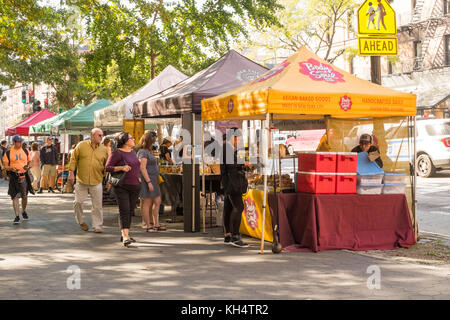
43	128
307	88
110	119
183	101
23	128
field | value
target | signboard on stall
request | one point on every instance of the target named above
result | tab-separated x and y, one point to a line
64	141
252	216
135	127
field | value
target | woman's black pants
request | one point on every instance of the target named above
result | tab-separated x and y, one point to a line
126	196
232	213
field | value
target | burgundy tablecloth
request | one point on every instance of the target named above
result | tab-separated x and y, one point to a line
343	221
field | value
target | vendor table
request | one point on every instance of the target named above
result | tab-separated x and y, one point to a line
343	221
172	190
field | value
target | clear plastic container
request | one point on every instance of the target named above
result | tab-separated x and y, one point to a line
394	178
369	189
369	179
397	188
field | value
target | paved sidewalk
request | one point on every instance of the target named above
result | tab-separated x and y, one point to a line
35	256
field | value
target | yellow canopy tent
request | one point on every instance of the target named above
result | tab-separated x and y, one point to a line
305	86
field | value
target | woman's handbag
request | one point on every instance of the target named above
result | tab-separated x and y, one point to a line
116	178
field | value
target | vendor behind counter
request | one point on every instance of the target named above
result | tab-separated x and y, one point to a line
365	145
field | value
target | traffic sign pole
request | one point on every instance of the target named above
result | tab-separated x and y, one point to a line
375	69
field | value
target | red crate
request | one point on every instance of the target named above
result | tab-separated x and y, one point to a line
346	162
317	161
316	182
345	183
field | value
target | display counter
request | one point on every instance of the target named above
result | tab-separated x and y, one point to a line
357	222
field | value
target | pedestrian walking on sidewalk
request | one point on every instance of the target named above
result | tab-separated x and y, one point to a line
150	193
49	163
16	162
125	159
234	184
35	165
3	150
89	159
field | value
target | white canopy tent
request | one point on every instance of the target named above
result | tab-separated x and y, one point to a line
112	116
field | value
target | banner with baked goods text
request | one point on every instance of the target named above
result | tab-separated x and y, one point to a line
252	216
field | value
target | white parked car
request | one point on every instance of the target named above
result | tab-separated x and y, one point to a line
432	144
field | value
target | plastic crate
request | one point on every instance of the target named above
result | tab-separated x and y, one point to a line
345	183
370	179
317	162
346	162
394	178
369	189
397	188
316	182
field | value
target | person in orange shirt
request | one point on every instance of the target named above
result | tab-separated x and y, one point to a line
16	162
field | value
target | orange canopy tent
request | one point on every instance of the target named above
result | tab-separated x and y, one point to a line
305	85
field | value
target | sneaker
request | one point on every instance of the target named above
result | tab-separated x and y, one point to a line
17	220
50	190
84	226
25	216
98	230
239	243
40	190
227	240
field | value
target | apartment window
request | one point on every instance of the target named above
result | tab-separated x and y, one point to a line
446	7
447	50
417	49
390	70
352	66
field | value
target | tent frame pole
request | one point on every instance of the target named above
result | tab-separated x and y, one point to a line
414	205
265	151
193	172
203	178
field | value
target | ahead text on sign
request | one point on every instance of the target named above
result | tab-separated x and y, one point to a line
370	46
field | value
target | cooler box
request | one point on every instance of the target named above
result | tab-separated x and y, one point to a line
346	162
317	161
345	183
316	182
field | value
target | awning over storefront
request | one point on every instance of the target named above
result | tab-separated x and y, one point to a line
23	128
229	72
112	116
306	87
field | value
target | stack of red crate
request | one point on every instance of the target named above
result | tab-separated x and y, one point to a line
326	172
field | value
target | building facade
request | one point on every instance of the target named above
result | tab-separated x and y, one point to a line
13	110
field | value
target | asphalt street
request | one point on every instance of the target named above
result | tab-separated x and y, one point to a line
433	204
50	257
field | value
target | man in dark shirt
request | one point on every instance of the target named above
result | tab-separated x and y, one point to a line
365	145
3	150
49	162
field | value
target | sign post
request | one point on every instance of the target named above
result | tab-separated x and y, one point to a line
377	22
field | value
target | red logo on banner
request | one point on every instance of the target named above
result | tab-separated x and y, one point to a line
251	213
274	72
320	72
230	105
345	103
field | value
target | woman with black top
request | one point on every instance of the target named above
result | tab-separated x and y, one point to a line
164	152
124	159
234	185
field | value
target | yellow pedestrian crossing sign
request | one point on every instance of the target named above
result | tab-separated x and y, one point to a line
376	17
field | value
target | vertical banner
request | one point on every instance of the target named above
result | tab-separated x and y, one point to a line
136	127
64	140
251	223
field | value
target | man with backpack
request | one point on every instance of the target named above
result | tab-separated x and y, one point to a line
16	161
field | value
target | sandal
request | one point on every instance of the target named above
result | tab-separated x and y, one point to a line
161	228
152	229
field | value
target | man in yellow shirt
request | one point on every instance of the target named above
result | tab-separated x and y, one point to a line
89	159
16	161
